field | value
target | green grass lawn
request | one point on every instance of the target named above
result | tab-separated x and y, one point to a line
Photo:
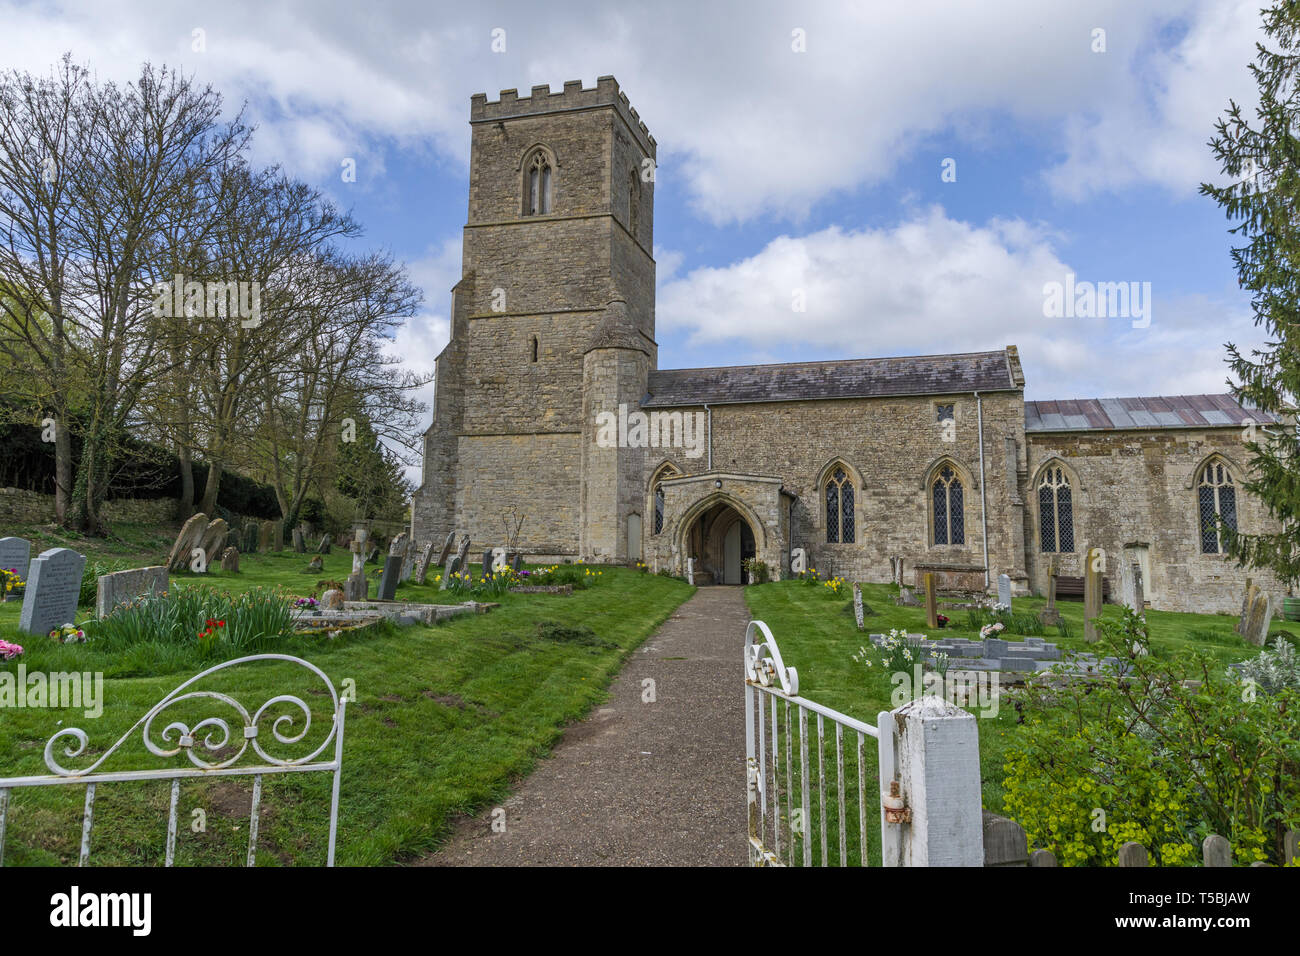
446	719
816	632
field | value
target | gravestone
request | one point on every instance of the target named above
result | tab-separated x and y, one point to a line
15	555
214	540
326	543
462	554
1127	586
299	541
422	566
931	602
123	587
277	536
897	566
373	556
250	538
188	539
264	533
1004	590
1139	591
518	563
905	597
409	560
317	563
448	570
356	587
1092	593
392	572
53	587
446	549
487	563
1050	615
1246	602
332	600
857	605
1261	616
230	560
498	559
358	562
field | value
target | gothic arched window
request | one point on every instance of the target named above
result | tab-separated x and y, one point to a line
1216	502
949	508
1055	512
841	528
538	186
667	471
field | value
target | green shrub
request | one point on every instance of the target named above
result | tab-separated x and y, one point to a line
758	571
253	621
1164	755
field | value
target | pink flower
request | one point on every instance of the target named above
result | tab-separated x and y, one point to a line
9	651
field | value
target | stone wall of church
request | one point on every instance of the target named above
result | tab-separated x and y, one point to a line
891	447
1135	491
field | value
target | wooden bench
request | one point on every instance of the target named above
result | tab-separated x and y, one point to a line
1072	588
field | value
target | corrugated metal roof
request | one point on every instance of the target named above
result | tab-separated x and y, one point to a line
1157	411
850	378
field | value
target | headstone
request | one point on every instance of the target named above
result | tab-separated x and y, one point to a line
398	545
265	532
1091	594
299	541
906	598
123	587
214	540
1247	601
1049	614
356	587
392	572
1261	616
325	544
332	599
857	605
53	587
446	549
498	560
15	555
188	539
277	536
230	560
898	569
1127	586
251	534
422	566
1139	591
462	555
487	563
1004	590
931	602
448	570
373	556
518	563
317	563
408	560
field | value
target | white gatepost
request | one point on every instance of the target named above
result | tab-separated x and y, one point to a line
936	816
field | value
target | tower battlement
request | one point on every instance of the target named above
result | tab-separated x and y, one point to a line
574	96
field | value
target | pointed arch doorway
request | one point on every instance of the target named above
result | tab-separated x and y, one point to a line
720	539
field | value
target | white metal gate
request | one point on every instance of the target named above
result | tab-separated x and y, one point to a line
211	734
782	827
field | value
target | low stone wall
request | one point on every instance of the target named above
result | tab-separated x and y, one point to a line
18	506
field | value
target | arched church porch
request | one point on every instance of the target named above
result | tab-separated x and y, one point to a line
719	520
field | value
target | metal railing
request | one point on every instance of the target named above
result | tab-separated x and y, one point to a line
782	827
209	734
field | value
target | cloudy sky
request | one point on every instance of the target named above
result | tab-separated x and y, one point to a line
802	151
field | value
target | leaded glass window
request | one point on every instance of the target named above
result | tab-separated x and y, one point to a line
537	198
1217	500
667	471
949	508
841	528
1055	512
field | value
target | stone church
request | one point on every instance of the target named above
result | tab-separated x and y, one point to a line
550	406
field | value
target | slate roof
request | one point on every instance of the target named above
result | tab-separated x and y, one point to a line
1164	411
848	378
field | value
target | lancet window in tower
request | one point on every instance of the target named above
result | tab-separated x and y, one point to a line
538	184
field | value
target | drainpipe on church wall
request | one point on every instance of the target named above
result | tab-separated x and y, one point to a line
984	500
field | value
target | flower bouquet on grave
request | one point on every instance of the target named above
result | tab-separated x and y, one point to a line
9	651
11	585
942	619
991	630
68	634
306	604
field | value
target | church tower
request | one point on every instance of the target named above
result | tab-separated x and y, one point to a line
556	299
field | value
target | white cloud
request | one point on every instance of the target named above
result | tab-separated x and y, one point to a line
933	284
749	127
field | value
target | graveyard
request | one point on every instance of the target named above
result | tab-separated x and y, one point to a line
446	715
451	709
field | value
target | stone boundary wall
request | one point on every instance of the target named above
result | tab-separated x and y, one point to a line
18	506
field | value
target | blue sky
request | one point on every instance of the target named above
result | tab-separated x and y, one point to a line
781	169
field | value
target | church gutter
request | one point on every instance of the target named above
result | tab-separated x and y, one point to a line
984	501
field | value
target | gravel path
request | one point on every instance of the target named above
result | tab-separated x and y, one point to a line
636	783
